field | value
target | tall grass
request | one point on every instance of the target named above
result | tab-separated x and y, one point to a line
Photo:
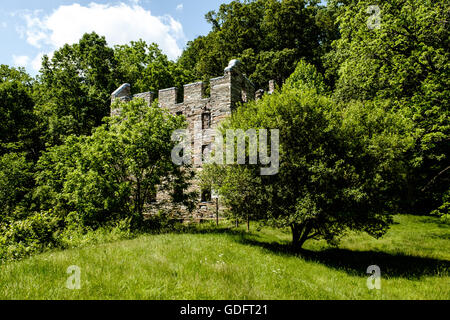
210	263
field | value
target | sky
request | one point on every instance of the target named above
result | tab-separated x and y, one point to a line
29	28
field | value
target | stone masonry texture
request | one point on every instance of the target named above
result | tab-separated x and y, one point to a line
204	112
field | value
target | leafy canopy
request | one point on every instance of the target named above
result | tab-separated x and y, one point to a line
339	164
406	60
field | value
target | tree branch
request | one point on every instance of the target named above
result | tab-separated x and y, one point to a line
434	179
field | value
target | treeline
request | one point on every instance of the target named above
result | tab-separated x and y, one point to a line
66	168
379	92
268	36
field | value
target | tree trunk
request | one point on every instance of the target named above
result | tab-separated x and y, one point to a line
295	235
300	233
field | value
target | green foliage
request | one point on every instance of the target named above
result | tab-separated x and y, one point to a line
146	68
18	124
76	235
93	176
113	173
338	165
16	182
444	210
306	76
51	171
269	36
22	238
75	86
92	188
407	61
9	74
45	231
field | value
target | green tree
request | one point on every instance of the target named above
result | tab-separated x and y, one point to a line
339	164
146	68
269	36
12	74
18	127
116	171
405	58
16	183
75	87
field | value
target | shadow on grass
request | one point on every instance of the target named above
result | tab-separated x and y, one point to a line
352	262
356	262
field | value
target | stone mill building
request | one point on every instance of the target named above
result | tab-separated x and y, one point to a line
203	111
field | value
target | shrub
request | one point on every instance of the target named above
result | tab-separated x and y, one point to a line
22	238
114	173
74	236
16	181
158	223
444	210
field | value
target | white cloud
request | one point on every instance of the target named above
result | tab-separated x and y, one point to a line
4	24
180	7
20	61
35	30
119	23
26	61
36	63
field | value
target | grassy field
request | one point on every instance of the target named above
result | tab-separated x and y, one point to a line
414	258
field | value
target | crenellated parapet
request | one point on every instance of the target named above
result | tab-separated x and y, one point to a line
147	96
225	93
168	97
201	111
123	93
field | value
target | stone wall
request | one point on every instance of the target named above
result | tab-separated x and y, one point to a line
201	112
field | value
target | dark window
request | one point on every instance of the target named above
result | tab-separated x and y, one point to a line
206	120
178	194
206	195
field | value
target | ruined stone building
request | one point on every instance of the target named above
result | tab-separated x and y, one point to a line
202	110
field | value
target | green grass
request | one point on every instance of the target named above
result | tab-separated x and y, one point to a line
414	258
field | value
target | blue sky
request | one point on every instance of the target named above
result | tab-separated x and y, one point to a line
30	28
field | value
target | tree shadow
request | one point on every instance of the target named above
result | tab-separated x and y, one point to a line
352	262
357	262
